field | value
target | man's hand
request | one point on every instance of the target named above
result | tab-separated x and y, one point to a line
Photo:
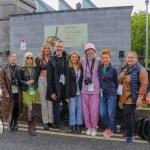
67	100
54	97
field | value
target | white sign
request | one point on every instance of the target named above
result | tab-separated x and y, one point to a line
23	43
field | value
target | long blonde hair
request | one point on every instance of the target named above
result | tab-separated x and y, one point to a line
78	62
41	54
24	64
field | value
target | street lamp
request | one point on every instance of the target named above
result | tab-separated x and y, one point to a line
146	51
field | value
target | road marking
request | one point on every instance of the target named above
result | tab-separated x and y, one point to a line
116	137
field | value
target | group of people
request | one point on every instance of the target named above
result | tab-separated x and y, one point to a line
86	87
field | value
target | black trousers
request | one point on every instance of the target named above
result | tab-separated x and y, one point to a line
15	110
129	118
59	114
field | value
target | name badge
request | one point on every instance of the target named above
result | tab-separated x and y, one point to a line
78	91
119	90
101	91
31	90
90	87
62	79
14	89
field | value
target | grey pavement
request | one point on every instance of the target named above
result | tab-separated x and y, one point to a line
55	140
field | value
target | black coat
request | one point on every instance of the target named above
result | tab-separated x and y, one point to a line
25	76
71	86
38	69
53	79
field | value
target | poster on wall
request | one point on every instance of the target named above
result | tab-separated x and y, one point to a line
23	43
71	34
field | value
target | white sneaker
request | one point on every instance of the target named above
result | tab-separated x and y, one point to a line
88	132
94	132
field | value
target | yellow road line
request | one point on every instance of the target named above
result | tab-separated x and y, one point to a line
77	135
83	136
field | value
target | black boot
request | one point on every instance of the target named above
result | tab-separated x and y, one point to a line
15	126
10	127
73	129
78	129
52	125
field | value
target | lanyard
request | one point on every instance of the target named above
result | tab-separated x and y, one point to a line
92	66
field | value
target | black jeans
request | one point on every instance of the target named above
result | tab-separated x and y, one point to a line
59	115
129	117
15	110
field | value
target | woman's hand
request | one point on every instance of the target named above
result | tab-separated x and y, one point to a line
30	82
139	101
120	105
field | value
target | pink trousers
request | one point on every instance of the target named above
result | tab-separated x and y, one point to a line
90	107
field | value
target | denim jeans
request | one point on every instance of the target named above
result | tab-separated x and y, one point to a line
108	111
75	111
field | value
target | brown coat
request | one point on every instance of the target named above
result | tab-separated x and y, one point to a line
125	80
7	103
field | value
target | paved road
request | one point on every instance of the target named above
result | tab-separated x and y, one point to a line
57	140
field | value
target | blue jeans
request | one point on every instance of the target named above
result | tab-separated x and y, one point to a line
75	111
108	111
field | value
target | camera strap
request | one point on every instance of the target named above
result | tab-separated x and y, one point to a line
92	66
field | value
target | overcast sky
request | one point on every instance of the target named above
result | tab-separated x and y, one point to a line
137	4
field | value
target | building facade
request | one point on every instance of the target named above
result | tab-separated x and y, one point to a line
105	27
7	8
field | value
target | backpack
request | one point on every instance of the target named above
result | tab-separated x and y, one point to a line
143	128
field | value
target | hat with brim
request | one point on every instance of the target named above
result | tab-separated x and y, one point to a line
89	46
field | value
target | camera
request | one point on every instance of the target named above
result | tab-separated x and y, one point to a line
88	81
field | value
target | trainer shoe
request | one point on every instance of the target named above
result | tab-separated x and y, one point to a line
88	132
129	140
93	132
101	134
108	134
46	126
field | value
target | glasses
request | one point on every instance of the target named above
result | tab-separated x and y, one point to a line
29	58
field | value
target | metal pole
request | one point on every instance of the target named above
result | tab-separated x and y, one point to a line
146	51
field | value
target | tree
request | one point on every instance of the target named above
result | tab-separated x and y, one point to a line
138	34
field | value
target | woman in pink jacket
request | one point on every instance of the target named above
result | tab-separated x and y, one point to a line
90	89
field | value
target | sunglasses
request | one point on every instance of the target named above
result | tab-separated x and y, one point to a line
29	58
